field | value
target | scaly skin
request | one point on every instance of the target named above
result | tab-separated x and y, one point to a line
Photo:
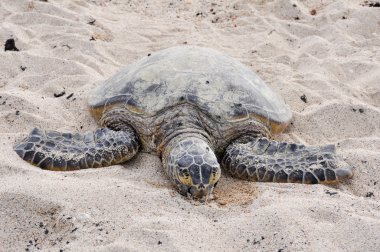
264	160
53	150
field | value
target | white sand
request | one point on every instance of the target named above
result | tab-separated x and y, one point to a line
334	61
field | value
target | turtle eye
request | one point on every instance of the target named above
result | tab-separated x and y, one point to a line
215	175
184	177
213	179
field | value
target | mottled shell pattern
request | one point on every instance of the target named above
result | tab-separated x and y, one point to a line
221	87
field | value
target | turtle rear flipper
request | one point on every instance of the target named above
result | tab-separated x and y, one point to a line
263	160
54	150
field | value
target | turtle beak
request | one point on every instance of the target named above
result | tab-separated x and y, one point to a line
200	192
197	192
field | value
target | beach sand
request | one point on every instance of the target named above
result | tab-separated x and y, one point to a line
323	50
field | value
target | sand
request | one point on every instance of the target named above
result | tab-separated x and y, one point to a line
325	51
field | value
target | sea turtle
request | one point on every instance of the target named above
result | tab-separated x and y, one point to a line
195	108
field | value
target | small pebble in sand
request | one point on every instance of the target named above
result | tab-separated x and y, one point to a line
59	94
10	45
313	12
303	98
371	4
330	193
370	194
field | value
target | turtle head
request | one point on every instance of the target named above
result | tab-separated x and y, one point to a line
193	166
197	181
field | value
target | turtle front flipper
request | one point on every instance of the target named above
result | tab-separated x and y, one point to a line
263	160
53	150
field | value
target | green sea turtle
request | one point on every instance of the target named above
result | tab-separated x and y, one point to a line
196	108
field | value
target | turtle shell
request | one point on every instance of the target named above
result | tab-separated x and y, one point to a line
220	86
